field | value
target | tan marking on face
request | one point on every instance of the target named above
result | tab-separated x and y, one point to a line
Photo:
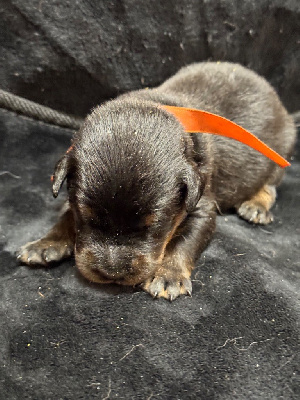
93	276
84	259
149	219
143	267
139	261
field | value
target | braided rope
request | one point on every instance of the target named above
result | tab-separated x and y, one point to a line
33	110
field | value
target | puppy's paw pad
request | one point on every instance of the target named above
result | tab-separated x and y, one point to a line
255	213
43	252
168	289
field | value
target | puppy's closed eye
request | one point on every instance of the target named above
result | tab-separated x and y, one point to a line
128	225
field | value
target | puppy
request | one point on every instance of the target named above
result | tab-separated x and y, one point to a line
143	193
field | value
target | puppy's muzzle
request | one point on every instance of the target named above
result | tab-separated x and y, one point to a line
114	264
110	264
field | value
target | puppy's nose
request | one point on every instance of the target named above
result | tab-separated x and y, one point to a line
114	264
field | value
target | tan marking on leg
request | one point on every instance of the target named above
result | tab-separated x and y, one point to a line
177	221
265	197
171	279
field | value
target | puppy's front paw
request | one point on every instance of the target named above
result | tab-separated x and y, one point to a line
44	252
170	281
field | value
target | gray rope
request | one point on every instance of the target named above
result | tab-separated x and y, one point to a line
33	110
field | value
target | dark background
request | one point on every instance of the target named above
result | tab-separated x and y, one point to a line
62	338
71	55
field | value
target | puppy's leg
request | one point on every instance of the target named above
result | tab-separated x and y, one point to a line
257	209
173	276
56	245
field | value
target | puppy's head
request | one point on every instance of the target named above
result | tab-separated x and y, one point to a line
131	185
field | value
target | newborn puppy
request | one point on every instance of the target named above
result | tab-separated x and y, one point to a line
143	193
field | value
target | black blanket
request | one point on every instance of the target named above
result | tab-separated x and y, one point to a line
62	338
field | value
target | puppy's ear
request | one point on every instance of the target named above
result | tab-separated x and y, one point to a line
193	188
60	174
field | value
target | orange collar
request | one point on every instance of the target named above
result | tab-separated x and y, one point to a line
201	121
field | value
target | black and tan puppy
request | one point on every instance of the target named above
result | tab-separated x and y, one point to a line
143	193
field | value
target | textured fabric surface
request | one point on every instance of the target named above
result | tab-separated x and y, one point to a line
72	54
62	338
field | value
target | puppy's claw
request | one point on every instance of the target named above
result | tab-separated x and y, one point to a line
186	286
168	289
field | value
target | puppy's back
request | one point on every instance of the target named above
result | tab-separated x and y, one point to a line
242	96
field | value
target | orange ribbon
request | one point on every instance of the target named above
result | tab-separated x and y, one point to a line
204	122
